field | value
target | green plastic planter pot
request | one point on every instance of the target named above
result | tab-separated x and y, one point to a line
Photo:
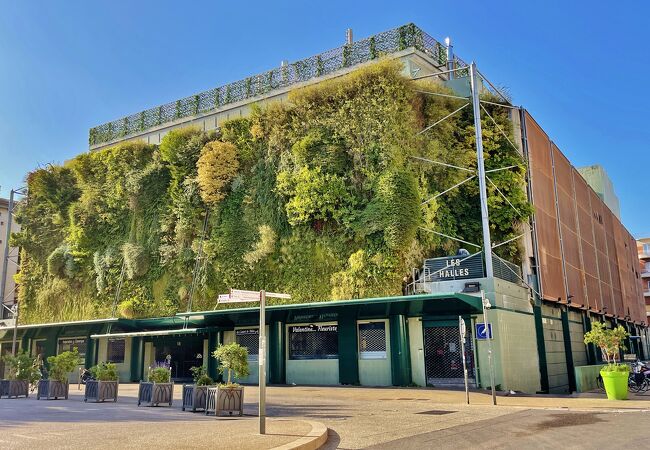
615	384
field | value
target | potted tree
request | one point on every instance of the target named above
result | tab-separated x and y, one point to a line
22	370
610	341
60	367
229	397
194	395
104	384
159	389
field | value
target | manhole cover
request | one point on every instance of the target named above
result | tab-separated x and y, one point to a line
436	412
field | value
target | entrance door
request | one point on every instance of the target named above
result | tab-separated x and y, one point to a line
186	351
443	359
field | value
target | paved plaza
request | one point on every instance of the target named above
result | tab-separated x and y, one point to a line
356	418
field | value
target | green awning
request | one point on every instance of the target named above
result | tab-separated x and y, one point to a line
369	308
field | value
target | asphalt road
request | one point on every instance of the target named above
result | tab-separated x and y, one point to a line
539	429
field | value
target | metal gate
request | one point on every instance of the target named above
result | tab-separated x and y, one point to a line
443	360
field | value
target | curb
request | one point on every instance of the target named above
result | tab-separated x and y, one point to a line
313	440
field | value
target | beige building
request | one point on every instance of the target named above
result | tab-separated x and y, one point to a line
599	181
10	287
643	247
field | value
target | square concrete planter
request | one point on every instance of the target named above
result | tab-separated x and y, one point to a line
155	394
225	400
52	390
194	397
14	388
99	391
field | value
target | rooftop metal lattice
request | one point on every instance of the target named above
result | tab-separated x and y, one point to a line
384	43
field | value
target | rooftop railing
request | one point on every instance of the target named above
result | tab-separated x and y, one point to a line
348	55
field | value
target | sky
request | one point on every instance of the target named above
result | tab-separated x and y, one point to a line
580	68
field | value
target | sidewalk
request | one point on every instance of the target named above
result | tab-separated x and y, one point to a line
31	423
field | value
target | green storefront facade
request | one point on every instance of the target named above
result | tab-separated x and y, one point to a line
410	340
296	337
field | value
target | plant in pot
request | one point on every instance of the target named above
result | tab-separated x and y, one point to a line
159	389
610	341
104	384
21	370
194	395
229	397
60	368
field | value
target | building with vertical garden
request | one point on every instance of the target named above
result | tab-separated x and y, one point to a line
342	180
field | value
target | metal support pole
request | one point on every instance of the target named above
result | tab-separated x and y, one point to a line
13	342
485	219
486	306
463	334
262	364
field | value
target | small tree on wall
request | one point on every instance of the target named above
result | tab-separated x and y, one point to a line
233	358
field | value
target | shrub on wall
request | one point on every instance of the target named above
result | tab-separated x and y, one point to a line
217	166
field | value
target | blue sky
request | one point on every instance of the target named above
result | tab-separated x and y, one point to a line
579	67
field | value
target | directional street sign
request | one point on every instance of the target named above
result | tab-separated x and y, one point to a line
482	332
239	296
242	296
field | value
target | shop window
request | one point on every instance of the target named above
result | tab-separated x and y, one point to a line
40	349
69	344
116	349
372	340
249	338
313	342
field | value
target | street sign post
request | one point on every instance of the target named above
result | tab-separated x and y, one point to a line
463	335
488	328
243	296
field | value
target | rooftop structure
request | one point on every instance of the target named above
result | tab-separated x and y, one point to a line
597	178
196	108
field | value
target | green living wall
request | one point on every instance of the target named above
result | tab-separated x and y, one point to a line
318	197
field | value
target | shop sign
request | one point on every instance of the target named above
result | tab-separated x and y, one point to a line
247	332
313	328
454	268
324	317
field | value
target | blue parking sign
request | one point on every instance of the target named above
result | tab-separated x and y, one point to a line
482	332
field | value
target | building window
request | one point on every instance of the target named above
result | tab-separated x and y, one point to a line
249	338
69	344
646	249
372	340
313	342
115	353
